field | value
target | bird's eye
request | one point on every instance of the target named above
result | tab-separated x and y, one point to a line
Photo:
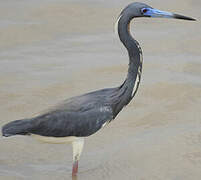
144	10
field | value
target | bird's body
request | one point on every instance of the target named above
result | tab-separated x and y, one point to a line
82	116
79	116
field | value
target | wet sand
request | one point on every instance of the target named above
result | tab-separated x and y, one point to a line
53	50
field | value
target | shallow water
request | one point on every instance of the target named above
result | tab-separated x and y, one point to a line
50	51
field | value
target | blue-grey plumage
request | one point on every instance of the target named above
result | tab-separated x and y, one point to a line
84	115
78	116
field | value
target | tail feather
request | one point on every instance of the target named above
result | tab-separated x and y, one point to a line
21	127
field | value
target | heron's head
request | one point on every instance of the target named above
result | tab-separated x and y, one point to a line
138	9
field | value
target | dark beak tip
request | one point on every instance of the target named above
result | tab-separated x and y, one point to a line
191	19
178	16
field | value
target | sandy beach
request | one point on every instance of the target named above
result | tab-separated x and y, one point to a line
53	50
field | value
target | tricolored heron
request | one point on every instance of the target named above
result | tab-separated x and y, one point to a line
82	116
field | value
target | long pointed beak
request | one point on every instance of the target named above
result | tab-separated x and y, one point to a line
178	16
163	14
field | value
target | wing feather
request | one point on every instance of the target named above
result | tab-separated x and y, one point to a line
65	123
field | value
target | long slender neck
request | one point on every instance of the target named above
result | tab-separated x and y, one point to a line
129	87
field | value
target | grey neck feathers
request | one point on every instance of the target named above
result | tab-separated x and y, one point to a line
129	88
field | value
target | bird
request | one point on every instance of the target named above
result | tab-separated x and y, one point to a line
79	117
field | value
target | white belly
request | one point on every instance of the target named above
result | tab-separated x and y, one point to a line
55	140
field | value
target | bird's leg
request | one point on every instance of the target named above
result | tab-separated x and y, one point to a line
77	150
